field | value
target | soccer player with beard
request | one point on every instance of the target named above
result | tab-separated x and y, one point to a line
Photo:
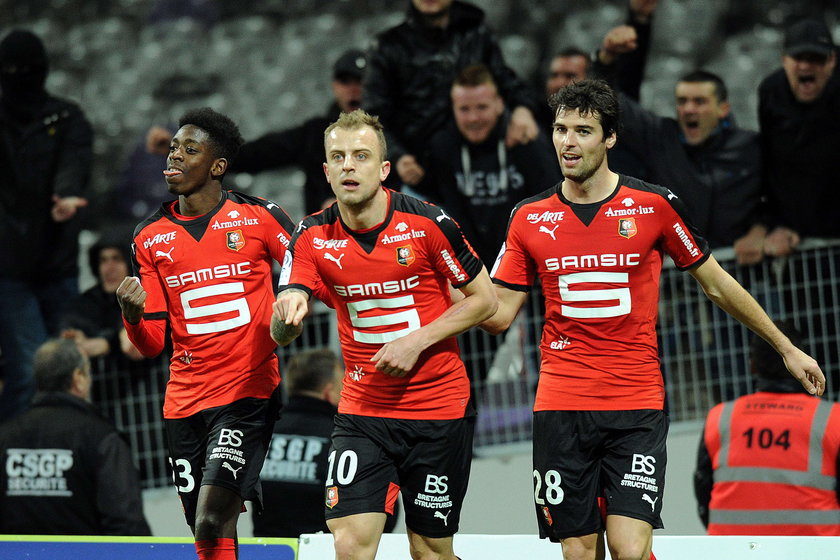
204	265
599	423
405	422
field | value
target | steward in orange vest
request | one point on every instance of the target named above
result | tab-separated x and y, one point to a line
768	461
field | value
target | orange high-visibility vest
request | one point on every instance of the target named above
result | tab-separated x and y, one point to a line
774	457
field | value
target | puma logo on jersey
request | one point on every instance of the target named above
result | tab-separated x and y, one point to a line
231	469
444	517
271	205
651	501
332	258
442	216
167	254
550	232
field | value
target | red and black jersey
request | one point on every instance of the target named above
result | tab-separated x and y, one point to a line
384	283
210	278
599	267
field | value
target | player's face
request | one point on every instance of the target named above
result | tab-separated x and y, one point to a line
477	110
699	111
348	94
191	163
112	269
580	144
355	168
563	71
807	74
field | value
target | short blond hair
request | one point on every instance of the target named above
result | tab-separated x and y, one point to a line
356	120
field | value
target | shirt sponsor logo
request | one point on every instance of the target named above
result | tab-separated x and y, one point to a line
401	227
620	212
205	274
405	255
592	262
235	223
377	288
166	254
38	472
560	344
235	240
283	239
689	245
450	262
550	232
627	227
545	217
327	244
336	260
165	238
357	373
413	234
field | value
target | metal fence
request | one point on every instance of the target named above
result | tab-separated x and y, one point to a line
703	353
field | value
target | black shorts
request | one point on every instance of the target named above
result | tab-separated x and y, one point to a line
581	455
222	446
372	459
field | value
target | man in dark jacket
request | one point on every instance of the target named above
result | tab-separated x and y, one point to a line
411	68
45	160
476	177
295	468
66	470
799	122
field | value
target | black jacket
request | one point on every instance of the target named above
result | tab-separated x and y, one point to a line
51	154
477	200
719	181
799	147
411	68
301	146
97	314
67	472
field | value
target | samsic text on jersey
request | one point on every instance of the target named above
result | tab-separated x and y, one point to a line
210	277
384	283
599	267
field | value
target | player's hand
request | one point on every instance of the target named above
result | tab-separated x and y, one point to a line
291	307
398	357
522	128
158	140
749	249
64	208
409	170
132	299
780	242
805	369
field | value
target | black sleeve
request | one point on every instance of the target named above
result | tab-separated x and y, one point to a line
703	481
75	157
118	498
630	67
513	89
270	151
381	93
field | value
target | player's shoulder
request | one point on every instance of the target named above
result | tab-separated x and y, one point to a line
243	199
151	224
326	217
645	189
407	204
541	202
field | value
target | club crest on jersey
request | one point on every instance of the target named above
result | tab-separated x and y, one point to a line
405	255
331	497
627	227
235	240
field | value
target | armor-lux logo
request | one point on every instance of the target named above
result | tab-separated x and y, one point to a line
235	240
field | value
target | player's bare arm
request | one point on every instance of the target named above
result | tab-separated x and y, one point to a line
510	302
132	299
397	358
289	309
730	296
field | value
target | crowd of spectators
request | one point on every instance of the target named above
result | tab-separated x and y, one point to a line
465	130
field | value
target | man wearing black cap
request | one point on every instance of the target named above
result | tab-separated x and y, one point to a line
799	120
45	161
303	145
